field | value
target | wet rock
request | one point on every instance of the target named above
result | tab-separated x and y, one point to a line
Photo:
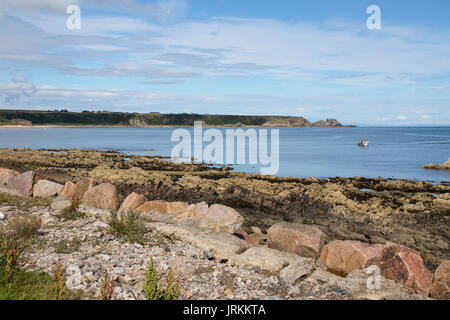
342	257
61	202
103	196
45	189
405	265
441	283
5	174
304	240
131	202
222	219
22	183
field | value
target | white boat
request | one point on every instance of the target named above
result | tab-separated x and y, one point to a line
363	143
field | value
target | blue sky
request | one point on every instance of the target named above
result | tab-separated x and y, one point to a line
315	59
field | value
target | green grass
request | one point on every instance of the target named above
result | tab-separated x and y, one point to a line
32	166
25	285
31	286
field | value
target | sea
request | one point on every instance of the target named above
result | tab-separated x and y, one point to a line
394	152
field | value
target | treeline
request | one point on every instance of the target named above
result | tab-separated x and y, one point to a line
64	117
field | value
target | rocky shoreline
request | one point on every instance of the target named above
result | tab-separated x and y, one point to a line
378	220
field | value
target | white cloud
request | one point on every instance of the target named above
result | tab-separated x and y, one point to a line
36	6
129	39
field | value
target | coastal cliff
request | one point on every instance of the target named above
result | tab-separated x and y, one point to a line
30	118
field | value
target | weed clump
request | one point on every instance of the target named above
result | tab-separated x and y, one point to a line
128	226
71	213
154	290
11	249
107	289
24	226
59	281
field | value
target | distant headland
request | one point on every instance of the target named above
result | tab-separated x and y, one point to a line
64	118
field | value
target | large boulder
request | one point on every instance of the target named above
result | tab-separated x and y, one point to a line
77	191
164	207
194	211
103	196
177	207
61	202
441	283
342	257
362	285
155	206
68	189
220	246
45	189
222	219
296	272
131	202
304	240
162	211
5	174
268	259
405	265
23	183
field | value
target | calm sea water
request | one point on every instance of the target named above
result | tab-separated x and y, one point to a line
318	152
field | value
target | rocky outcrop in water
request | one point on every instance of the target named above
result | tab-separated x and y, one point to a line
443	166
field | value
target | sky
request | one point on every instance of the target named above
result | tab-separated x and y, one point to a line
316	59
